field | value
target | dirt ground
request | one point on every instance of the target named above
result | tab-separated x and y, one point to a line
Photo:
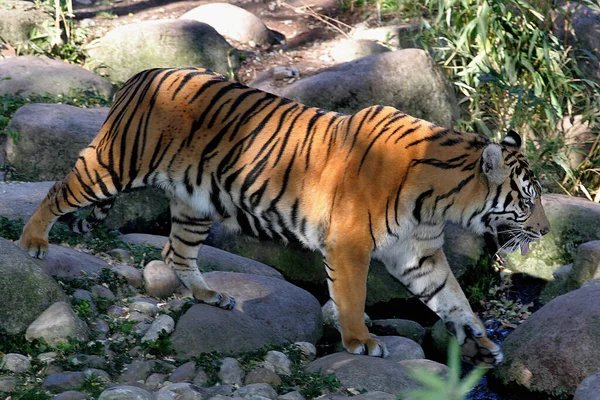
310	27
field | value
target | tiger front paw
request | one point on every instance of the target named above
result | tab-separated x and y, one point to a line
35	247
476	347
219	299
370	347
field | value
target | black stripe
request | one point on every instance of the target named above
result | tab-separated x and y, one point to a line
426	297
419	204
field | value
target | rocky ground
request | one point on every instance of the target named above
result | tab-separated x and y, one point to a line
101	317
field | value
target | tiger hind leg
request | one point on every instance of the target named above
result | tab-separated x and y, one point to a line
76	191
188	232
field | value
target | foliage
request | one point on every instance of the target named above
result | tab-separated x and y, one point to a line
514	73
160	346
82	308
18	344
31	393
446	388
93	385
211	364
478	279
61	36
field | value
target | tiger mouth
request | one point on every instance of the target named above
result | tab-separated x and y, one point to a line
508	239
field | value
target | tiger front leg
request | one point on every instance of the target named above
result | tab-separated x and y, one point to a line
431	280
347	266
188	232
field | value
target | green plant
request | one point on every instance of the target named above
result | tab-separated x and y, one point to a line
513	72
18	344
211	364
82	308
479	278
160	346
436	387
93	385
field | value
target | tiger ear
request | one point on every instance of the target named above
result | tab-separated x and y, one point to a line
512	140
493	165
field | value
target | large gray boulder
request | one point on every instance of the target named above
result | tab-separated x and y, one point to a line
64	129
573	221
305	267
367	373
63	262
18	20
57	324
240	25
556	348
143	210
209	258
589	388
409	80
25	289
268	310
27	75
132	48
586	265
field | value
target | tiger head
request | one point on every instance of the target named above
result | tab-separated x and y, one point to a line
515	216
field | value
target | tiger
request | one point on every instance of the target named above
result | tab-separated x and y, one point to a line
378	183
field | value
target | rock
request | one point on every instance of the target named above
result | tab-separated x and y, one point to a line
543	361
145	308
579	138
124	392
137	316
159	279
268	310
377	395
98	375
573	221
352	49
25	289
294	395
262	375
71	395
240	25
18	20
162	323
115	311
584	23
431	366
401	348
41	75
417	86
64	128
563	272
64	381
19	200
57	324
209	258
184	373
129	49
201	378
399	36
155	381
366	373
122	255
309	351
99	291
589	388
8	384
586	265
399	327
330	317
231	371
279	361
16	363
85	295
131	274
256	389
89	361
63	262
220	390
139	370
305	267
280	73
180	391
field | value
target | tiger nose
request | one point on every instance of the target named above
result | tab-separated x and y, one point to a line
544	230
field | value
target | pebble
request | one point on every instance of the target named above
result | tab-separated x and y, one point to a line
262	375
162	323
281	362
144	308
101	291
159	279
131	274
256	389
155	381
125	392
185	373
8	384
16	363
292	396
309	351
231	371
